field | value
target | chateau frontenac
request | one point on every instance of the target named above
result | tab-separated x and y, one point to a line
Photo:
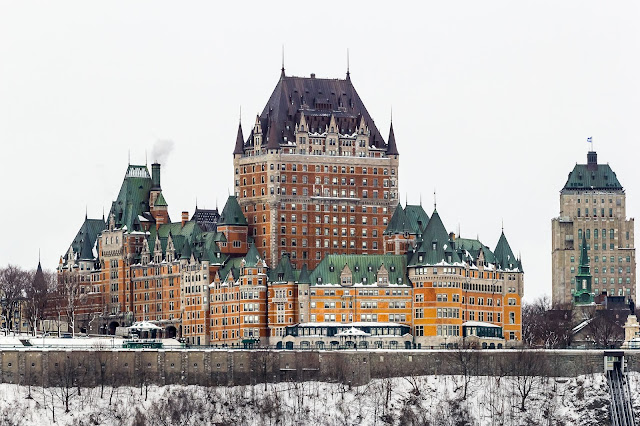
312	250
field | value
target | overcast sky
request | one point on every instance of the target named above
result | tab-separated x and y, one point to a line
492	104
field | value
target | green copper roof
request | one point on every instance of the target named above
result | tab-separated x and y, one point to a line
232	265
252	257
595	176
89	231
232	213
504	255
364	268
417	218
160	201
435	246
304	277
397	224
133	198
284	271
474	247
583	292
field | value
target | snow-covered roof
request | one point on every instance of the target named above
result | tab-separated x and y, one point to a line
479	324
353	332
145	325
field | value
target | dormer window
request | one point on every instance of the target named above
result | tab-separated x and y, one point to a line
434	245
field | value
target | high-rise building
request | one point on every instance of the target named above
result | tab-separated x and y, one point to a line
593	208
315	176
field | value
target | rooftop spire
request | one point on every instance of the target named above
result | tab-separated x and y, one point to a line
348	73
392	148
239	149
282	69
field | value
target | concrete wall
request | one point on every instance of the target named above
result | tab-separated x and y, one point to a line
236	367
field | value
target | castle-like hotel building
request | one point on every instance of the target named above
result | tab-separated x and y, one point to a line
312	250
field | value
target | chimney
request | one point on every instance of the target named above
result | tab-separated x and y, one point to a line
185	217
592	161
155	175
313	75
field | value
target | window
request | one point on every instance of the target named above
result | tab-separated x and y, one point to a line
512	317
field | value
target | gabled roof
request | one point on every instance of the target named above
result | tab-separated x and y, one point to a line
364	268
160	201
232	213
319	99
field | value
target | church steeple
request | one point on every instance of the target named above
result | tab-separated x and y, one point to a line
583	292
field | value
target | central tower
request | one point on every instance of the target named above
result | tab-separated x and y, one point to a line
315	176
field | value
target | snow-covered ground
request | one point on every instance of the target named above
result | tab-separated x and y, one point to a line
420	400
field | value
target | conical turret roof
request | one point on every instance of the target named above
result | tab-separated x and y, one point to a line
392	149
239	141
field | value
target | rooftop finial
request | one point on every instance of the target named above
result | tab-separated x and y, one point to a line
86	211
391	114
434	200
145	157
282	70
421	199
240	118
128	157
503	225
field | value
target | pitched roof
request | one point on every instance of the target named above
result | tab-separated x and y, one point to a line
232	213
160	201
435	246
252	257
89	231
364	268
206	218
319	99
417	218
592	176
284	271
239	140
504	256
398	223
304	277
392	149
474	247
133	198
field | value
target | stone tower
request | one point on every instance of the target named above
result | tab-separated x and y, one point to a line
593	208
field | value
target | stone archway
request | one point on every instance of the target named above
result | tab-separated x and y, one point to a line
112	327
170	332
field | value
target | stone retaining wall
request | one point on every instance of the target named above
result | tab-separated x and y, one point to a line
238	367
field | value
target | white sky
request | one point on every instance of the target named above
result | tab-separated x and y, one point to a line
492	104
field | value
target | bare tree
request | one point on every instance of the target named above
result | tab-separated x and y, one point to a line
13	283
605	327
547	326
527	371
465	363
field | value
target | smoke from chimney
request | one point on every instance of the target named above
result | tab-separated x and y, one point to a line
161	150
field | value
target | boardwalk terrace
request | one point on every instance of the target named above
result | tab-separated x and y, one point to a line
315	176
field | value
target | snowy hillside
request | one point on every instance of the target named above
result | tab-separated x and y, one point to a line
422	400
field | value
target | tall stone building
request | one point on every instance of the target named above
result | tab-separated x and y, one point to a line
593	207
315	176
